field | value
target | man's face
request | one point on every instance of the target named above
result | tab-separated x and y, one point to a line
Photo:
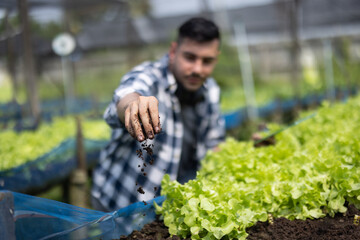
192	62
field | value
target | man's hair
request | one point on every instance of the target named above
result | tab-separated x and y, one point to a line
198	29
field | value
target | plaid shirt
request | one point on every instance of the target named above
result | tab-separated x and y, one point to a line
122	173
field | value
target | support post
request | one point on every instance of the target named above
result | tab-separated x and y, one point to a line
246	71
29	63
78	179
329	71
7	224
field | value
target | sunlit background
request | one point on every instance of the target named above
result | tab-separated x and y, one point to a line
277	58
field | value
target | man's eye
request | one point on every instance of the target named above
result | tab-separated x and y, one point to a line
190	58
208	61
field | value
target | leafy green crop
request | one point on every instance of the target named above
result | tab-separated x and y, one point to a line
310	172
19	148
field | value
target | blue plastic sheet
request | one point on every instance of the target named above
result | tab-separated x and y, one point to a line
39	218
49	108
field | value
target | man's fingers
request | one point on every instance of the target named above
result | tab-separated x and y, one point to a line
142	118
154	114
145	117
128	124
135	122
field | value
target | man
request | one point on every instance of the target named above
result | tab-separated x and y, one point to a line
165	116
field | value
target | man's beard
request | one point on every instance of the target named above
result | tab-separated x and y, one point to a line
187	97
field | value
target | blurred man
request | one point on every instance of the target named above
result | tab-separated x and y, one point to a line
165	116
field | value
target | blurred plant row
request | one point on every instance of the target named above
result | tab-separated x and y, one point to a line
19	148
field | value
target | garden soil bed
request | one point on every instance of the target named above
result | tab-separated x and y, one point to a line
341	226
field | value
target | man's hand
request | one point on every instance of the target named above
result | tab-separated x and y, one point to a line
140	116
256	137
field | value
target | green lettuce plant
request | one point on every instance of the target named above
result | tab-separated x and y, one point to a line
19	148
311	171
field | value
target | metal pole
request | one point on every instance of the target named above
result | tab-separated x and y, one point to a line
68	83
246	70
329	71
7	220
29	63
221	15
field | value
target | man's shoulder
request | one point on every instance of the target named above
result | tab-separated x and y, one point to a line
149	66
149	70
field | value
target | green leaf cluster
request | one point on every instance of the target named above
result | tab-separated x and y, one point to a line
19	148
311	171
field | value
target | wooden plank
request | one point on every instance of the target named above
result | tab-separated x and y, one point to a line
7	224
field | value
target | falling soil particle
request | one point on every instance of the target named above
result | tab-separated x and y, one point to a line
141	190
148	148
149	151
139	154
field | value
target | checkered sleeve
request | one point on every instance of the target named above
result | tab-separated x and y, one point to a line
122	170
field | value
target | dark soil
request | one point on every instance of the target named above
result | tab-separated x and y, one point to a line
341	226
155	230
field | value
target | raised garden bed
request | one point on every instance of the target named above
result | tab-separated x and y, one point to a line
341	226
306	186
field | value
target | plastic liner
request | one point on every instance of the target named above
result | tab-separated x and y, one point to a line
39	218
49	108
43	171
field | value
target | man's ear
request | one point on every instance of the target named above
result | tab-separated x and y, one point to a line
172	50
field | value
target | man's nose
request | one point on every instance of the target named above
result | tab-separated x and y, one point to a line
198	66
